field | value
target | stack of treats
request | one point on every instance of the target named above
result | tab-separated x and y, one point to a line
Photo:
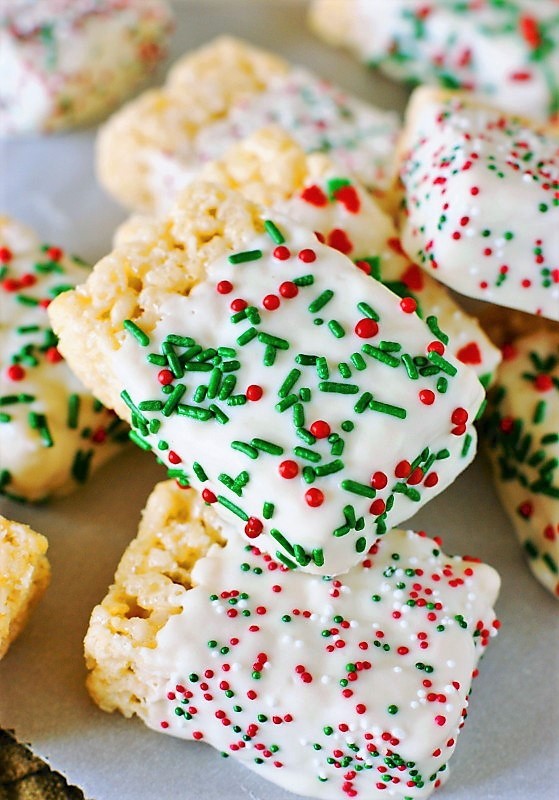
277	323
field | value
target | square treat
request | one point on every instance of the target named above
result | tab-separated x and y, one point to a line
310	403
52	431
68	62
153	147
481	209
521	432
24	576
454	44
328	688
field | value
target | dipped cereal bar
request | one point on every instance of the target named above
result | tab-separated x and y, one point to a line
224	91
330	688
24	576
480	207
53	433
69	62
309	403
506	52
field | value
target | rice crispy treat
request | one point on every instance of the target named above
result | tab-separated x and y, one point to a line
255	360
69	62
480	209
53	433
521	432
221	93
453	44
205	638
24	576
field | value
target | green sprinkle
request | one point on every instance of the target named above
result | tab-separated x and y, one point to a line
335	328
193	412
200	394
466	445
344	370
300	556
298	415
156	358
363	402
306	361
173	400
305	435
441	363
380	355
318	556
268	510
347	426
199	471
284	560
245	448
267	447
304	280
132	406
304	394
411	369
319	302
247	336
289	382
269	356
227	387
230	366
286	403
330	468
409	491
73	411
141	336
236	400
232	507
309	474
308	455
179	341
196	366
366	309
173	360
220	415
247	255
360	489
360	544
386	408
4	417
343	530
433	325
273	232
282	541
82	462
150	405
274	341
539	412
322	368
442	385
214	383
137	439
338	447
358	361
339	388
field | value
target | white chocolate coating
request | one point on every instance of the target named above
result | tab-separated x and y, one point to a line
44	448
481	212
454	44
68	62
522	434
362	230
295	675
414	428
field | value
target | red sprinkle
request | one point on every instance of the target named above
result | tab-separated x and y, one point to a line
271	302
288	469
408	305
377	507
314	195
5	255
307	255
543	383
16	372
348	197
403	469
254	392
320	429
366	328
427	397
208	496
436	346
238	304
378	480
224	287
253	528
288	289
282	253
165	377
314	498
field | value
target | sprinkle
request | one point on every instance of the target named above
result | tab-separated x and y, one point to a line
380	355
267	447
329	469
141	336
199	471
366	309
201	414
174	399
321	301
308	455
247	336
232	507
433	325
244	257
289	382
282	541
335	328
339	388
358	488
220	415
73	411
441	363
386	408
411	369
273	232
273	341
245	448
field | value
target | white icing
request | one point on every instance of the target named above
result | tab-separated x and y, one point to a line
67	62
461	44
36	469
319	116
379	442
529	485
455	150
385	676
